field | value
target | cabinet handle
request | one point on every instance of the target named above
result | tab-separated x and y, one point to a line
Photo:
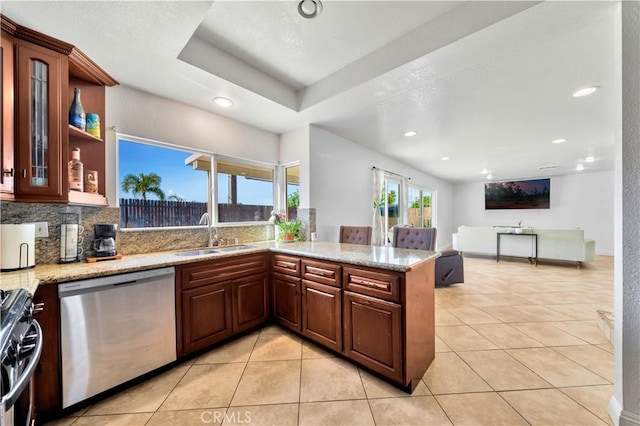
321	272
370	284
24	173
8	172
285	265
365	302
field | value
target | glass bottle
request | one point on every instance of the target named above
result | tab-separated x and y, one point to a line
76	171
77	117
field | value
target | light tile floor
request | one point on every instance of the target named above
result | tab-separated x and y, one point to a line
516	344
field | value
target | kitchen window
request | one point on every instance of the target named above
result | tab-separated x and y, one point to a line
156	187
161	185
245	191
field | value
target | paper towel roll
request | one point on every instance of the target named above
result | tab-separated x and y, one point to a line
17	246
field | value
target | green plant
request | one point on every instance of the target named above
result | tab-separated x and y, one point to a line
142	184
291	227
293	200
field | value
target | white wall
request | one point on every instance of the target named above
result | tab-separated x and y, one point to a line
583	200
148	116
341	185
294	146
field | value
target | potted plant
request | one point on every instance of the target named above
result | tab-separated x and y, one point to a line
289	230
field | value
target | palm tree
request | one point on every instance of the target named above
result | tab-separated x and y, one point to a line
143	184
174	197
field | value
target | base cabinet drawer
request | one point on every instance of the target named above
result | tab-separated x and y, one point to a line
373	334
382	285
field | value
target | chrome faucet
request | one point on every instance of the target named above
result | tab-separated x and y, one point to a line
212	232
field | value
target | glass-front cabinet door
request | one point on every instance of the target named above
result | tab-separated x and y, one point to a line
39	107
7	171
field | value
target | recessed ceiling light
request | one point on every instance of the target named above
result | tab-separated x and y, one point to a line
579	167
410	133
559	141
309	9
589	160
585	91
489	176
445	158
223	102
484	171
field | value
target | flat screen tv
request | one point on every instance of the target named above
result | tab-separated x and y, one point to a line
519	194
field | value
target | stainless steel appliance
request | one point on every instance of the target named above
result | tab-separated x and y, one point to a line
20	349
104	243
114	329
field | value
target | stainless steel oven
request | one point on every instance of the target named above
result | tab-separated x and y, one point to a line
20	349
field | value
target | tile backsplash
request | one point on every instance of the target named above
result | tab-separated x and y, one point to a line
129	241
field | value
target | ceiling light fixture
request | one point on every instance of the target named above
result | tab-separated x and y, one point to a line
579	167
445	158
310	9
410	133
489	176
559	141
484	171
589	160
585	92
223	102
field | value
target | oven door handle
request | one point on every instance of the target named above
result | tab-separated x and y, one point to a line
10	398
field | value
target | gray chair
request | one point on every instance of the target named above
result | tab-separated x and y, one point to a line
356	235
449	266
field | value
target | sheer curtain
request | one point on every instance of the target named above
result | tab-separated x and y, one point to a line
403	203
377	237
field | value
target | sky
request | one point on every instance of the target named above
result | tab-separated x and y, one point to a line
184	181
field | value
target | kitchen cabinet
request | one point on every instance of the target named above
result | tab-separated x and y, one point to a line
373	333
218	298
7	168
206	316
40	96
45	72
47	380
250	302
322	303
286	301
380	319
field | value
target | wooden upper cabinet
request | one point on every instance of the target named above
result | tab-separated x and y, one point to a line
7	167
40	97
45	72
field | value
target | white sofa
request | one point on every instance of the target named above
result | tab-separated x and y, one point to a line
557	244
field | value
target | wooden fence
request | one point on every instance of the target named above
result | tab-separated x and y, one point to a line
135	213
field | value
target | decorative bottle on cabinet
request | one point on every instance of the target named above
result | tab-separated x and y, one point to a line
76	171
77	117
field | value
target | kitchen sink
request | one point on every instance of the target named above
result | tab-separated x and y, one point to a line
198	252
234	248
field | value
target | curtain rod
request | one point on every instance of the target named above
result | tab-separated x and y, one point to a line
391	173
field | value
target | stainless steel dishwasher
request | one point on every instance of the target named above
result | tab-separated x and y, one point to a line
114	329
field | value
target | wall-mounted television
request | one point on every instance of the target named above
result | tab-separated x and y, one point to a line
519	194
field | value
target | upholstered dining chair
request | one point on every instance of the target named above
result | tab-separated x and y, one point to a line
355	235
449	266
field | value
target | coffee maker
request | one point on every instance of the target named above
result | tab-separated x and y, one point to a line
104	244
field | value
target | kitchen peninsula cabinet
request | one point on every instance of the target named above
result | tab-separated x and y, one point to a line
45	72
380	319
218	298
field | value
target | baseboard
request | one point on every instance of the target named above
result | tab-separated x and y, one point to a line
621	417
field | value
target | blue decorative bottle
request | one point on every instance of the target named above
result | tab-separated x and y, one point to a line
77	117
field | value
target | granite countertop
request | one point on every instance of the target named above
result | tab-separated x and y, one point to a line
378	257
